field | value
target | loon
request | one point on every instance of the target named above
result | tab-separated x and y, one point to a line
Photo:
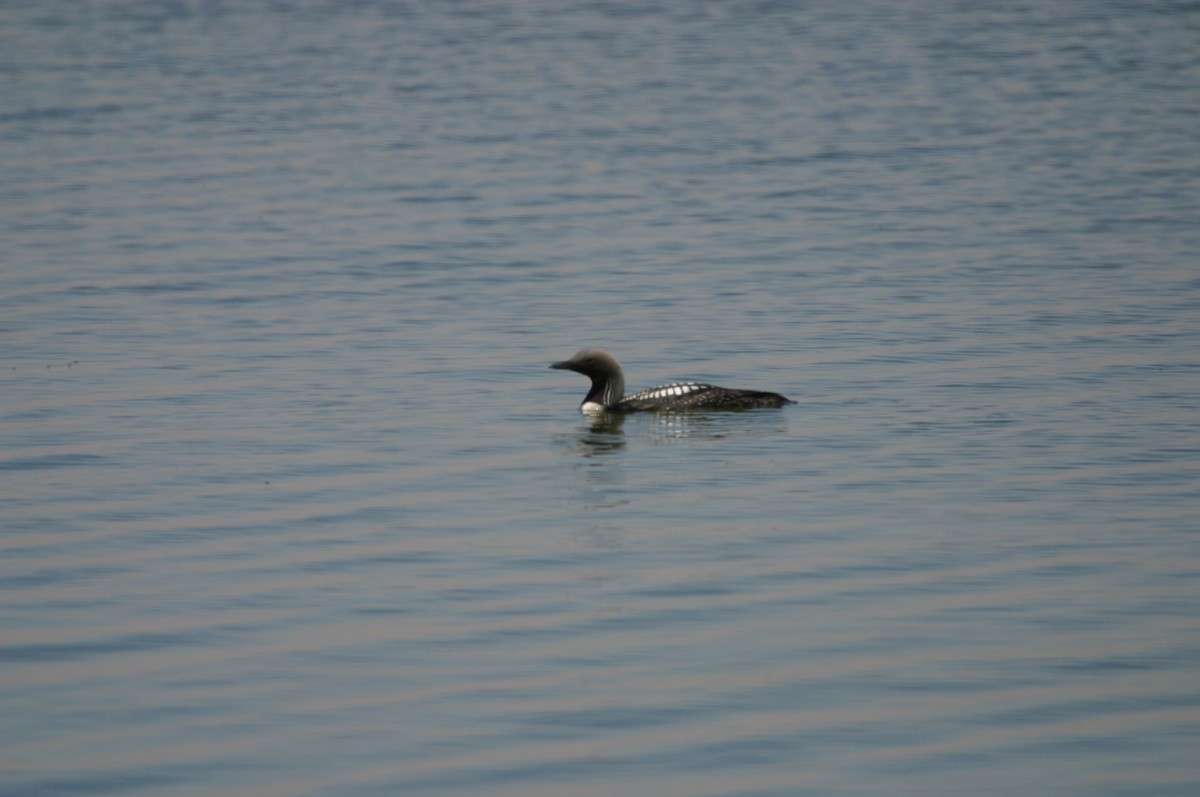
608	390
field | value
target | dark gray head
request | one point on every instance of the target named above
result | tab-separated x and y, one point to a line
608	382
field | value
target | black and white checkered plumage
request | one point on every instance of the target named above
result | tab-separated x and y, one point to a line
608	390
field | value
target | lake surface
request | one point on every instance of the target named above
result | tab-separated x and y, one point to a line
290	504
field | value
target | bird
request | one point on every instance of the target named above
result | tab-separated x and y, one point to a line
608	390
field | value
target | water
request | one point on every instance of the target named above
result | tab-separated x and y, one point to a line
291	504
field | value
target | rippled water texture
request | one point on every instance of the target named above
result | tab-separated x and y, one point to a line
290	504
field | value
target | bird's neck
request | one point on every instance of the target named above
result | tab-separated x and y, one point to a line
606	390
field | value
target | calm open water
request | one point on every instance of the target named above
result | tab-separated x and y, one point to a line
291	505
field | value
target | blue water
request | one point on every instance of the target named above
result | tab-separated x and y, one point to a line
291	505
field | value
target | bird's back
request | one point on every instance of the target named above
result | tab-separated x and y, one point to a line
682	396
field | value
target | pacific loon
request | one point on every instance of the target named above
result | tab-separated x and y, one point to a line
608	390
